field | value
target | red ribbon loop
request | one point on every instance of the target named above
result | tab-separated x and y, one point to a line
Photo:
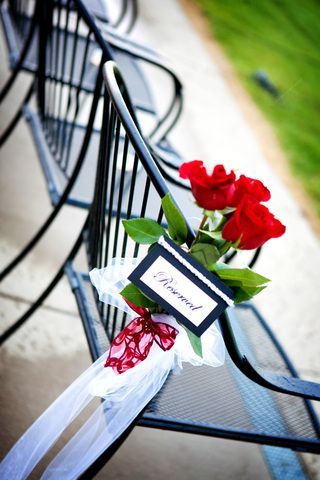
132	345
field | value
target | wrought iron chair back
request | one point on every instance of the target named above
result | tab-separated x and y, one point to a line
127	53
128	185
65	82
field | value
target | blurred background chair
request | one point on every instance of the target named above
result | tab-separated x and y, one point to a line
70	49
61	21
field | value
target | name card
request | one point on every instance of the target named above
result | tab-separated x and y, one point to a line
182	286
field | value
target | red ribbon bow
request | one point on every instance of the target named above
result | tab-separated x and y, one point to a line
132	345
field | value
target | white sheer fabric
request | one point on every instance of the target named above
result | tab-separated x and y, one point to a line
125	395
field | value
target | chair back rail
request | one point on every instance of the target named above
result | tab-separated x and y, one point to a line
128	185
70	46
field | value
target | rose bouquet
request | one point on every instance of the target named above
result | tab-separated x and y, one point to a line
234	217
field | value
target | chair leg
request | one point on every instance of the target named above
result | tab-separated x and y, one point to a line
42	230
18	323
34	240
16	118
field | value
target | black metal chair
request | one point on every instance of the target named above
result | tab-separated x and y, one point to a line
237	401
71	47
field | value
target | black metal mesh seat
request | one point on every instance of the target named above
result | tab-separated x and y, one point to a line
222	401
57	174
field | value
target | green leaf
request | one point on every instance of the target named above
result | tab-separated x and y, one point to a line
224	247
214	235
133	294
242	277
177	226
205	253
244	294
202	237
195	341
143	230
216	239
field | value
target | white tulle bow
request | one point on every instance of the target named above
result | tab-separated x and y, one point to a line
124	395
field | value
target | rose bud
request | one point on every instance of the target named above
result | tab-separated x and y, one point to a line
212	192
249	186
253	224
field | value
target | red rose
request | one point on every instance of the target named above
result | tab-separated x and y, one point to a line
245	185
212	192
253	224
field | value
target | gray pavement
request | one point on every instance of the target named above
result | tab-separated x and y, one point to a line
50	351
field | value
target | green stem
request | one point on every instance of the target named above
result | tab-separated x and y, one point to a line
201	226
222	222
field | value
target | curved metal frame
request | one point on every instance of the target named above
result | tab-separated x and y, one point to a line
279	383
18	115
39	234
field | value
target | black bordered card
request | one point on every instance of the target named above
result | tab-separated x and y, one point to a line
182	286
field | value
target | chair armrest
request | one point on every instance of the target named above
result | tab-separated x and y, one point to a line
280	383
292	385
167	156
132	7
112	35
164	162
169	118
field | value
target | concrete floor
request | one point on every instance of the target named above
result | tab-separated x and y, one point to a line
50	350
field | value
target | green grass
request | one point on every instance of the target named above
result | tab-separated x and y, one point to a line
282	38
